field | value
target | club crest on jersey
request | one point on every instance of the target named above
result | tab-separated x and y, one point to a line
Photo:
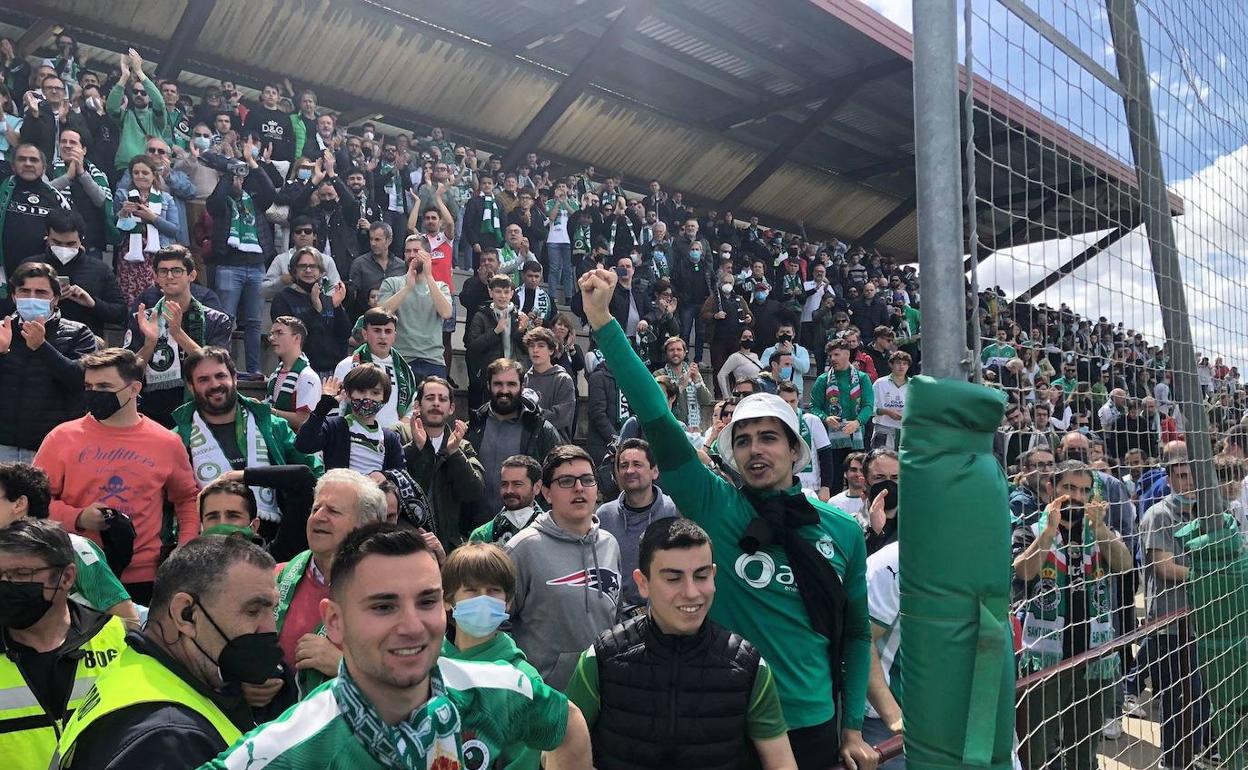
605	580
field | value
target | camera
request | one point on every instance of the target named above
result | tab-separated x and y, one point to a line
223	165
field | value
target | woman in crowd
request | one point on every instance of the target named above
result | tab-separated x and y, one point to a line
319	306
147	218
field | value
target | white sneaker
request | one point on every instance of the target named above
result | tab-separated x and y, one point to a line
1132	707
1112	730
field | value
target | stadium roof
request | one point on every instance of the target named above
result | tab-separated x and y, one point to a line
788	109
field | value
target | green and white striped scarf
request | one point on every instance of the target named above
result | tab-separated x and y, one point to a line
243	233
281	392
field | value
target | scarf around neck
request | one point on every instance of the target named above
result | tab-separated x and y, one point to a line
432	731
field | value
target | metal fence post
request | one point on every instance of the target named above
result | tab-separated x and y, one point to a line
1124	25
938	172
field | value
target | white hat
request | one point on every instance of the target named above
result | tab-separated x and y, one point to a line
762	405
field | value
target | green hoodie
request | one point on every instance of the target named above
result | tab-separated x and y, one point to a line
279	439
136	126
502	649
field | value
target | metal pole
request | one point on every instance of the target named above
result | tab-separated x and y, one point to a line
938	172
1124	25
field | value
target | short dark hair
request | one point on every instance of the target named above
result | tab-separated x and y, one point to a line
560	456
543	335
668	385
787	387
1067	467
199	568
434	379
900	355
634	443
28	270
376	539
668	535
376	316
478	565
837	344
295	325
128	365
210	353
62	221
856	457
500	281
532	266
874	455
499	365
532	468
29	481
174	253
38	537
223	486
366	377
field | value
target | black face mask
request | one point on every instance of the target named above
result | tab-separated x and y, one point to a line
250	658
102	404
22	604
887	485
747	344
1077	454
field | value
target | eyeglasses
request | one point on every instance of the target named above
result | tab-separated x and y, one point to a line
156	151
308	267
176	272
567	482
303	231
25	574
54	88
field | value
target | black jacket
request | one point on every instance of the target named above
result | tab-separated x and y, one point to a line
45	132
334	224
260	187
673	701
536	229
452	482
327	334
604	409
98	280
692	283
474	210
484	344
332	436
24	229
867	315
42	388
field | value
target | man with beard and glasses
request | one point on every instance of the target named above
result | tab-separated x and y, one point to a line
177	695
52	648
396	703
278	276
508	425
443	462
225	431
115	463
170	330
520	485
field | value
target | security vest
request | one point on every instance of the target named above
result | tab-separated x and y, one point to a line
28	734
133	679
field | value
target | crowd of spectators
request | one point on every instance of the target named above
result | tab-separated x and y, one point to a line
143	231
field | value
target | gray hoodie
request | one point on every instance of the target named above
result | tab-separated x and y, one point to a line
627	525
557	392
567	593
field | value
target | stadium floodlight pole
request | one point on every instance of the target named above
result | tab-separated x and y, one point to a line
938	182
1124	26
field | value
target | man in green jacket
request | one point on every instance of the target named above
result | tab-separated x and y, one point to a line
224	431
771	539
144	114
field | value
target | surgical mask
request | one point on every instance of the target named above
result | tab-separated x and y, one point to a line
250	658
1184	500
887	485
63	253
480	616
726	288
22	604
303	174
102	404
202	143
226	530
786	372
255	151
30	308
695	255
365	407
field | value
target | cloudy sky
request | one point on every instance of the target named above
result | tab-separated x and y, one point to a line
1197	64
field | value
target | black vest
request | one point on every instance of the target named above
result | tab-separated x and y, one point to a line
673	701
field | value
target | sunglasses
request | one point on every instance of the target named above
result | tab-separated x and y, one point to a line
303	231
139	93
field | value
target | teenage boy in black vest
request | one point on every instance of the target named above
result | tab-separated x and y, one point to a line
624	684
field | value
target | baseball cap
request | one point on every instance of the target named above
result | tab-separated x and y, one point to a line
753	407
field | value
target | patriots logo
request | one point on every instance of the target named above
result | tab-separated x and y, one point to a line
608	581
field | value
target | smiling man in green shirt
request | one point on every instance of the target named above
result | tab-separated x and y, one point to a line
768	537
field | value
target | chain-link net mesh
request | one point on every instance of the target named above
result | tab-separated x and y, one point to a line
1131	636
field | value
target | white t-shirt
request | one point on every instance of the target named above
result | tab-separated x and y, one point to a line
889	396
809	479
814	300
884	609
307	388
852	505
388	417
368	448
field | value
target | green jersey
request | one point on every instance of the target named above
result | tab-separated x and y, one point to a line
756	595
502	649
498	706
997	353
503	527
764	720
96	586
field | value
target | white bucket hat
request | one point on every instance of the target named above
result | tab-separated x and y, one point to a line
762	405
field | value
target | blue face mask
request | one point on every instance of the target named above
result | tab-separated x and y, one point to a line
480	616
304	174
30	308
760	296
695	256
1184	499
786	372
202	143
255	151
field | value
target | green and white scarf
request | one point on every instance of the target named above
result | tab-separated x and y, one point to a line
794	292
582	240
431	733
489	218
243	233
93	171
832	395
145	238
401	377
164	368
693	410
509	263
209	461
281	392
288	581
622	410
1046	612
803	430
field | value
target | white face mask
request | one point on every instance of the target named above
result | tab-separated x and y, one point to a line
726	288
63	253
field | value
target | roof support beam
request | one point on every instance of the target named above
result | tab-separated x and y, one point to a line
190	23
1076	262
574	84
714	32
548	28
35	34
829	87
887	222
776	158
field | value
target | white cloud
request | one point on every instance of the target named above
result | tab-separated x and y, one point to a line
1212	241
